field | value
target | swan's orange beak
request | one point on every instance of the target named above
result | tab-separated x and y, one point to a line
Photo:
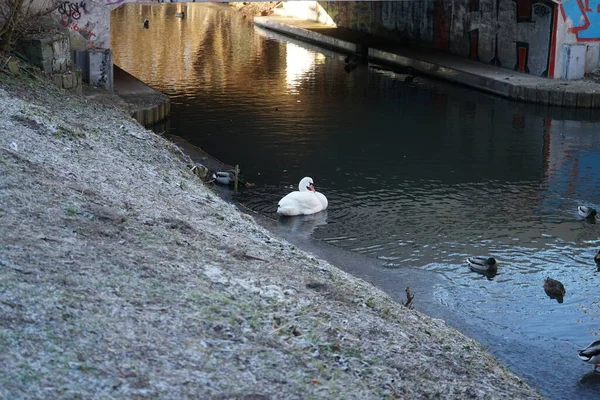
311	187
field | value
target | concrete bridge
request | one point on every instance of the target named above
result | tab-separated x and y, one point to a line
554	39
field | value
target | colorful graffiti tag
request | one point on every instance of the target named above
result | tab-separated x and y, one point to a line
585	17
71	10
70	15
88	21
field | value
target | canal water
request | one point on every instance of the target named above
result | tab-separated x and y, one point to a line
419	176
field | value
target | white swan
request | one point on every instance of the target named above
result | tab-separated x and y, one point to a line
304	201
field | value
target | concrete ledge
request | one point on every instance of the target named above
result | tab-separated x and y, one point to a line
493	86
499	81
149	116
506	83
148	106
584	100
306	34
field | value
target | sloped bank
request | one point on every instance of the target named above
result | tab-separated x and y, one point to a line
124	276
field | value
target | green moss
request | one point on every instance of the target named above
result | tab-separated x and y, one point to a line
71	210
27	374
66	133
352	352
370	302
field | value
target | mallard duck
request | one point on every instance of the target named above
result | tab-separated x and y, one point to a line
146	23
306	200
587	212
352	59
352	62
483	264
554	288
591	354
224	177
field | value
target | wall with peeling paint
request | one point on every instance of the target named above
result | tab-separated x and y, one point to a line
579	24
514	34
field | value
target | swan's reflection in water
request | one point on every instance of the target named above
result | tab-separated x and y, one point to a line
302	225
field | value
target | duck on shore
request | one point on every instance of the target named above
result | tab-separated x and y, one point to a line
591	354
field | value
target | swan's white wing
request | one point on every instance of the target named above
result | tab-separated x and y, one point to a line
299	203
322	199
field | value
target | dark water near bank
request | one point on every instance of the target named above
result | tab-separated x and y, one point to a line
419	176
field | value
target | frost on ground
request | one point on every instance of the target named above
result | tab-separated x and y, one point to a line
123	276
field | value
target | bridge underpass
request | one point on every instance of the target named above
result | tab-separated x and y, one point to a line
538	37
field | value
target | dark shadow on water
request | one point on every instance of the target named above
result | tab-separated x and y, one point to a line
489	275
558	298
591	379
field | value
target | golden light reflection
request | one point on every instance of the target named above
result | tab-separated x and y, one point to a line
211	47
299	63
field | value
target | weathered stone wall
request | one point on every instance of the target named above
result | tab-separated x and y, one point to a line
507	33
52	54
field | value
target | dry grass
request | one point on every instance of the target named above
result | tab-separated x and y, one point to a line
124	276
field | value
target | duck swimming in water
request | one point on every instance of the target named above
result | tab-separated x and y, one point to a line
554	289
587	212
591	354
483	264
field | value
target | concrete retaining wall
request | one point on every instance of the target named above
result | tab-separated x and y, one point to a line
511	34
530	36
52	54
151	115
502	82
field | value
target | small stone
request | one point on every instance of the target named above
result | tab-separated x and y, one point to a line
13	67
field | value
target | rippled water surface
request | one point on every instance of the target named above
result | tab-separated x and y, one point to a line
419	176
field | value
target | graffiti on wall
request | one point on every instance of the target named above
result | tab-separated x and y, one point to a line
514	34
88	22
584	16
524	36
71	10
